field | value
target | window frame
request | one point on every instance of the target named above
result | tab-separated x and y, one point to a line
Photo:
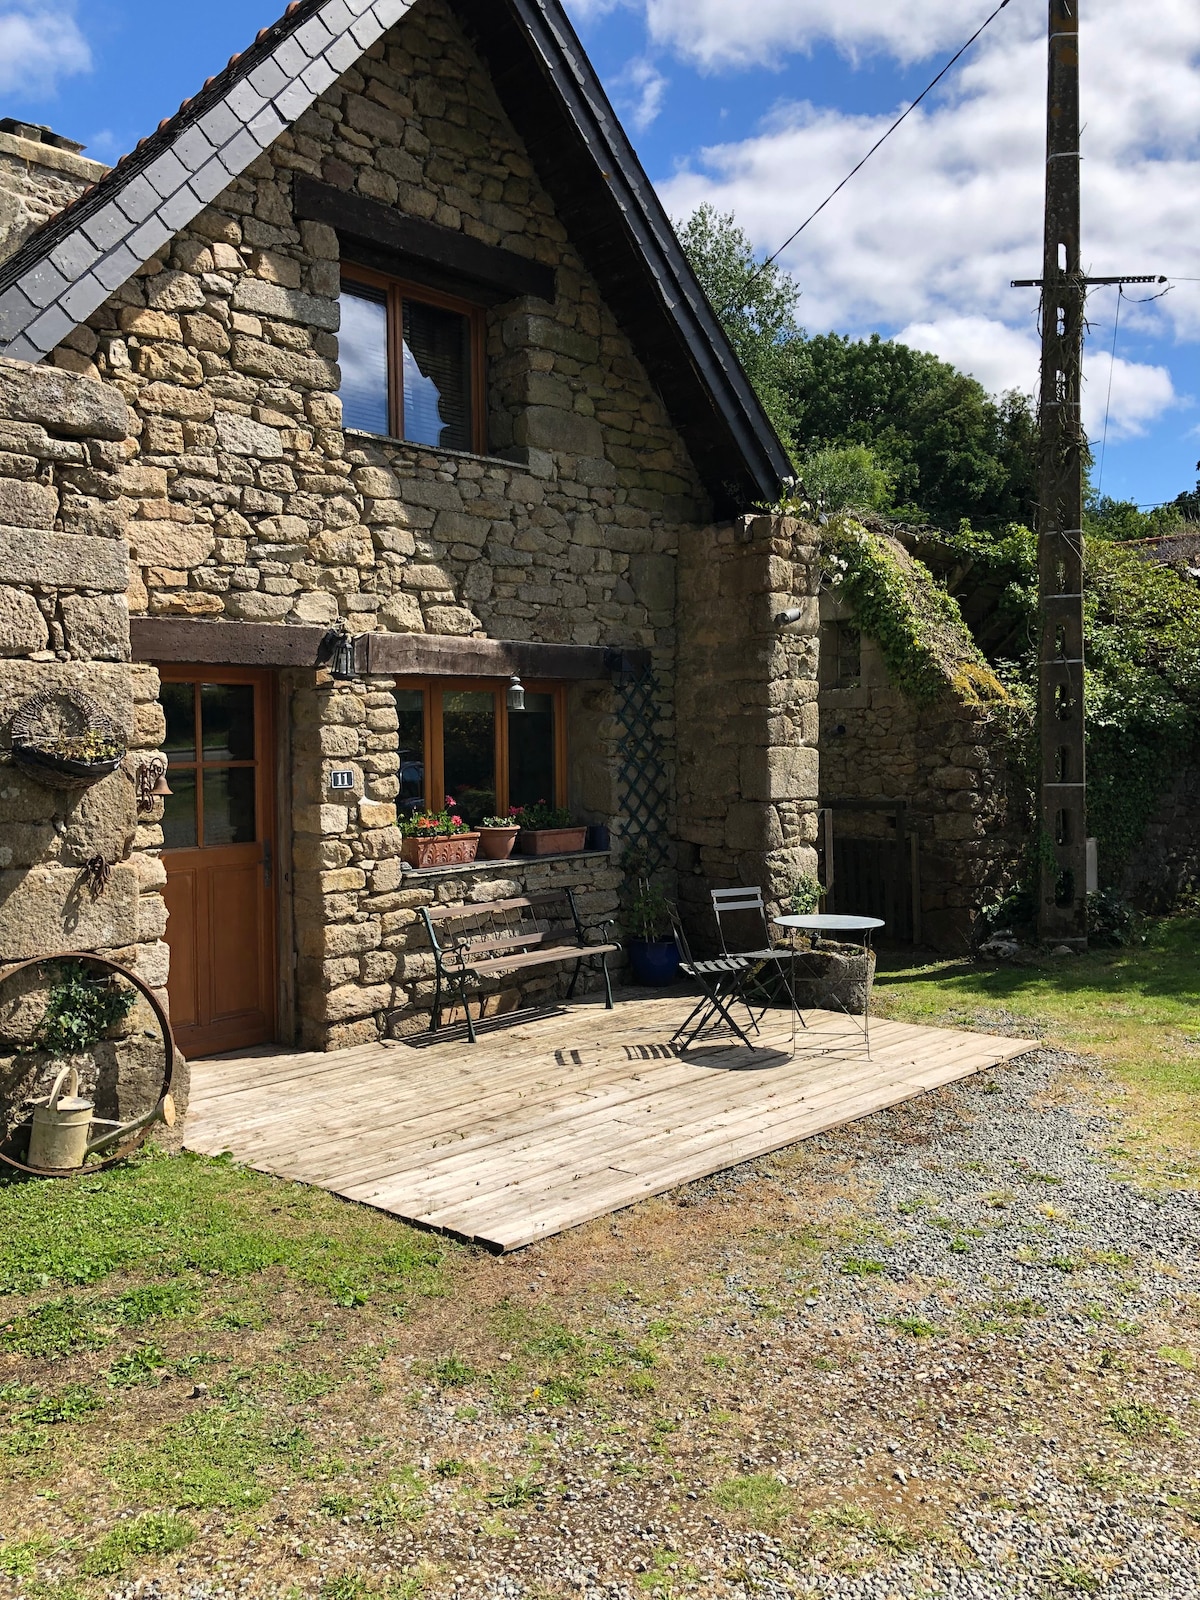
435	755
397	290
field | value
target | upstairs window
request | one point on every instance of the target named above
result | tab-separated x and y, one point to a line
412	363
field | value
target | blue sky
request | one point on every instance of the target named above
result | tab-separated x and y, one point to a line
762	109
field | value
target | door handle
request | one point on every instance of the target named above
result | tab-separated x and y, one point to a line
267	862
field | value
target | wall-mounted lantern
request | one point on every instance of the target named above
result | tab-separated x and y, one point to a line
516	694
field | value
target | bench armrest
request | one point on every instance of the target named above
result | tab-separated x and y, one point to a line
599	929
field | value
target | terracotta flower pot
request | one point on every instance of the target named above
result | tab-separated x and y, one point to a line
496	844
442	850
550	841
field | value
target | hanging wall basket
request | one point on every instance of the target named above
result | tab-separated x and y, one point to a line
64	740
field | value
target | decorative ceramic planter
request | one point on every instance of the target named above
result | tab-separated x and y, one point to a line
550	841
655	962
496	844
448	850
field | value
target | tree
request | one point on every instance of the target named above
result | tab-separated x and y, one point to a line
950	450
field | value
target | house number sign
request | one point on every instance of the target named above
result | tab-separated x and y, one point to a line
341	779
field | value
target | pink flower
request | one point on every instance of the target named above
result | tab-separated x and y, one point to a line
450	800
457	821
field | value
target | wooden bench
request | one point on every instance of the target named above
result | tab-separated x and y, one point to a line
504	936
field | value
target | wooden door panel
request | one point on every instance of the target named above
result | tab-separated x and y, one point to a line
221	925
180	896
235	939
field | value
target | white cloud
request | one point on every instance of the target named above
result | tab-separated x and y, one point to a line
1140	395
639	93
39	44
928	236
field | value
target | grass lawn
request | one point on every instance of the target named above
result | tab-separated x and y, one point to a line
1136	1010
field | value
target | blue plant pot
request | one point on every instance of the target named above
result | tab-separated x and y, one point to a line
655	962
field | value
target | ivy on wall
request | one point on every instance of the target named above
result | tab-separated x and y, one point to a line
918	626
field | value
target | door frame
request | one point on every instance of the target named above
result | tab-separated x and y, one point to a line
266	806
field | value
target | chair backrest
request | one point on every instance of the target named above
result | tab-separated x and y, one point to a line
727	901
680	936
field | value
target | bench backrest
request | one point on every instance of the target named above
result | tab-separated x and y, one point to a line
496	926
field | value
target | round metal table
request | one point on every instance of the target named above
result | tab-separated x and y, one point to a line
829	922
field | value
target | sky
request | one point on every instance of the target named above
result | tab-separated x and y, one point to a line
762	108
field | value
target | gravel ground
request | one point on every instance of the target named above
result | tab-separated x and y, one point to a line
946	1352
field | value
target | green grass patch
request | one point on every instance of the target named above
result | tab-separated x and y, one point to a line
219	1456
19	1557
880	1531
1138	1421
1134	1008
756	1498
862	1267
151	1535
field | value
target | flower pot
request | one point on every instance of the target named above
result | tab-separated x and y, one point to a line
655	962
62	772
442	850
496	844
550	841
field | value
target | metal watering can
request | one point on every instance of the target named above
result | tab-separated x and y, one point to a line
60	1137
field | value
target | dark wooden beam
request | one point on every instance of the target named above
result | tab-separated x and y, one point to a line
428	655
425	655
408	246
229	644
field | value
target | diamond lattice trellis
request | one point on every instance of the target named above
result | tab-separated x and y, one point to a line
643	777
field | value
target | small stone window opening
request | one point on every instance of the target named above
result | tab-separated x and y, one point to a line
841	656
413	363
459	737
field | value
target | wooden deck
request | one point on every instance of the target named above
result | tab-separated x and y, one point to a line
556	1119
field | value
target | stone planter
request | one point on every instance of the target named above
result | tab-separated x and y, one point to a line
496	844
446	850
550	841
834	976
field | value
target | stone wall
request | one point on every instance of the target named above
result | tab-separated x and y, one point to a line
1164	871
64	623
38	178
747	703
948	761
244	498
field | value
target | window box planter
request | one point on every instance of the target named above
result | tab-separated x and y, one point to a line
550	841
655	962
443	850
496	844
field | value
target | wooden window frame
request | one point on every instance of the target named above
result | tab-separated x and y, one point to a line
397	291
435	760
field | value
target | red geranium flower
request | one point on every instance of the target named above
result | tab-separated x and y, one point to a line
457	821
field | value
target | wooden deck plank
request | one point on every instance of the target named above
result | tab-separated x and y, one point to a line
561	1117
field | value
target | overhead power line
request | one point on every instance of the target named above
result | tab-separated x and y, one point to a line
832	195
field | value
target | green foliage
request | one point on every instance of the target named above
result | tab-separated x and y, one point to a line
1106	518
1111	920
541	816
918	626
757	1498
647	914
807	893
841	477
453	1373
155	1534
216	1457
82	1007
759	316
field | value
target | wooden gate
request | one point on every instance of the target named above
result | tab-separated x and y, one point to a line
874	873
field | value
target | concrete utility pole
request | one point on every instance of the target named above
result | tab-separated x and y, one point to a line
1062	908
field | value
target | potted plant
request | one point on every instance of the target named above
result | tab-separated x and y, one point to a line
63	739
547	830
438	838
653	953
497	836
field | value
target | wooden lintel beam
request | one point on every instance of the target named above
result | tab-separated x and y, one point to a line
427	655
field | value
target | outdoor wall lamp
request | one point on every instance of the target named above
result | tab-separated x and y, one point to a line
784	618
338	648
151	782
516	694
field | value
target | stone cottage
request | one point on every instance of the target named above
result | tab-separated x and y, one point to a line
372	379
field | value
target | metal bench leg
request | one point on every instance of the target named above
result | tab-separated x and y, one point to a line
575	979
435	1019
466	1005
608	999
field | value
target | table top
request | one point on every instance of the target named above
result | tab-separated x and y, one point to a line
829	922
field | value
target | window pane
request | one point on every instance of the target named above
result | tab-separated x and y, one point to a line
227	721
229	810
179	812
469	746
363	355
531	752
437	376
410	707
178	701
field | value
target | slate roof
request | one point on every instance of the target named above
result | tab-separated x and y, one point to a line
69	267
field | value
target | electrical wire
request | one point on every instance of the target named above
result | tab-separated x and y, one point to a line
736	305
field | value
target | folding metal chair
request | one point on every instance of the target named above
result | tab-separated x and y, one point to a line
717	981
766	965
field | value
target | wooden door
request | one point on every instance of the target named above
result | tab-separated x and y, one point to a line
218	849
